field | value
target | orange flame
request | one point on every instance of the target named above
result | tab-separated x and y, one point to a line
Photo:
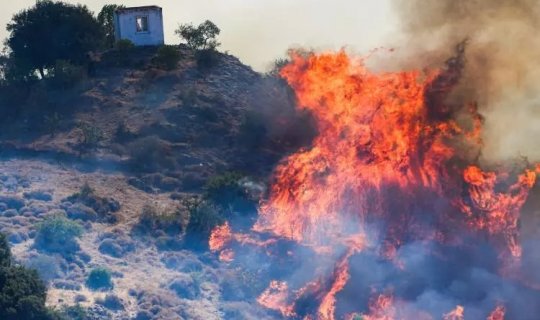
497	314
387	146
456	314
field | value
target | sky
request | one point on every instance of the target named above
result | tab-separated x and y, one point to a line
259	31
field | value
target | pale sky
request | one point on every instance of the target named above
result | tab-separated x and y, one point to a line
258	31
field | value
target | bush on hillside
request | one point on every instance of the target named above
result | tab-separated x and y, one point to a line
22	293
204	216
202	37
226	191
170	220
58	234
150	154
106	19
124	45
206	59
76	312
99	278
65	75
91	135
168	57
47	267
51	31
5	252
103	206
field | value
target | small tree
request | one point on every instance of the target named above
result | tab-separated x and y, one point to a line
5	252
51	31
202	37
22	293
106	20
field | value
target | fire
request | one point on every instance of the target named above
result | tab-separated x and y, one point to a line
220	237
456	314
499	212
497	314
389	149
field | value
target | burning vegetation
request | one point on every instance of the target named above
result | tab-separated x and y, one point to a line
392	181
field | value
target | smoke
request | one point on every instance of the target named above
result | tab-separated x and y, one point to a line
502	63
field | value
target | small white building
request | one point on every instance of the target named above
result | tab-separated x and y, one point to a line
142	25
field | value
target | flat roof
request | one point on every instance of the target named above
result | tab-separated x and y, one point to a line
141	8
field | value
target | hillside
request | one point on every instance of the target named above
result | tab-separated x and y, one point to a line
132	139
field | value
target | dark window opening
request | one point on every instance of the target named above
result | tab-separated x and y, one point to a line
142	24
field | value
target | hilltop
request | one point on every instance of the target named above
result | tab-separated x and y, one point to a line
129	154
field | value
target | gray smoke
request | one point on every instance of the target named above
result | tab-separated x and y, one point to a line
502	69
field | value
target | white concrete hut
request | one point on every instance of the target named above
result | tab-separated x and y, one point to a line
141	25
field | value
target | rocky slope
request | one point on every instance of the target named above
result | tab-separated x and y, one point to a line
137	135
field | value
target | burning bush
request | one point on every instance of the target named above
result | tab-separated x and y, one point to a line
391	184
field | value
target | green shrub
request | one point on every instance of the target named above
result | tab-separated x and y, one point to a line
168	57
171	220
5	252
123	133
22	294
91	135
226	192
204	216
76	312
65	74
150	154
276	67
124	45
52	123
99	278
47	267
58	233
103	206
202	37
206	59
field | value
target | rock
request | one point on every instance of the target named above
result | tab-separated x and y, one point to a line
82	212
